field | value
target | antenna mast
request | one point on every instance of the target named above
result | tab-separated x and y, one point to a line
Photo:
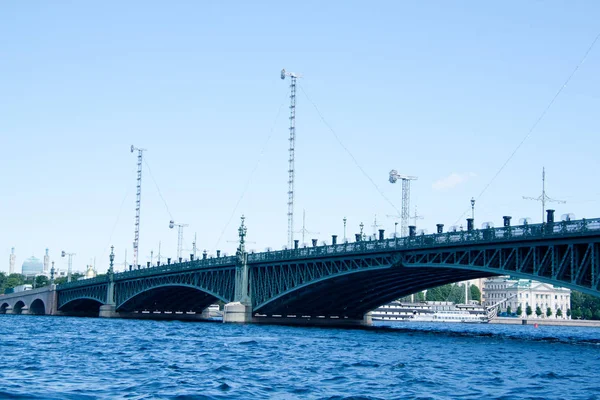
305	231
138	201
544	198
415	217
291	171
375	226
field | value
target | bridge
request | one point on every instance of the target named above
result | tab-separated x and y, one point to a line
335	284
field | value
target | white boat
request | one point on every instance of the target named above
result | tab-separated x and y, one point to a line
214	311
431	311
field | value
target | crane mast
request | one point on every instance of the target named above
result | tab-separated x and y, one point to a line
180	227
404	216
138	201
291	172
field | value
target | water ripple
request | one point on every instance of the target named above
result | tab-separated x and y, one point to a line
79	358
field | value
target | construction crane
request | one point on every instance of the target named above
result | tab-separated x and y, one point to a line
180	227
70	264
544	198
138	201
404	216
305	231
291	172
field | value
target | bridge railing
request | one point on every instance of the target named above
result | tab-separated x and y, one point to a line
177	267
83	282
447	239
510	233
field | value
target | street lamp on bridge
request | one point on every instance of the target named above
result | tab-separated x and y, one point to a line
473	208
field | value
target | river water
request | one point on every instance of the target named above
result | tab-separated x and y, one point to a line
90	358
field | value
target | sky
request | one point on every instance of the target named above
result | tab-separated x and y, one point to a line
445	91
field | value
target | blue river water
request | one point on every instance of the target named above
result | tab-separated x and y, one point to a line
90	358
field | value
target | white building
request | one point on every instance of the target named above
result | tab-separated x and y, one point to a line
525	293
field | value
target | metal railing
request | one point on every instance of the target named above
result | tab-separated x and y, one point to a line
83	282
458	238
177	267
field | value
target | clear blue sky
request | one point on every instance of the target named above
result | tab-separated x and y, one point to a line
441	90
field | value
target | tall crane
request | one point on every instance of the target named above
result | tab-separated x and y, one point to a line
404	216
138	201
70	264
180	227
543	197
293	76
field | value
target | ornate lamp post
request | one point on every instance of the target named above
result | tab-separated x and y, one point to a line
111	270
473	208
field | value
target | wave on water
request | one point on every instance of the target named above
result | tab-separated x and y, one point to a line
176	360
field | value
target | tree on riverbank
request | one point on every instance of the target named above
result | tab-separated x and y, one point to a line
417	297
452	292
475	293
10	281
74	277
584	306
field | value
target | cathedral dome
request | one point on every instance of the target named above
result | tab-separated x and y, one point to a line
32	266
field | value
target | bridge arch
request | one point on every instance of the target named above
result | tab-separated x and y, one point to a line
3	308
353	293
18	307
169	297
37	307
82	306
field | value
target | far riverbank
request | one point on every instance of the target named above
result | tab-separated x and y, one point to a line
541	321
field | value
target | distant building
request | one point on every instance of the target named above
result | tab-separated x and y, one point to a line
90	272
46	263
523	293
11	261
32	267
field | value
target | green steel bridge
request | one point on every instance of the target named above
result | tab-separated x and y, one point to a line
344	281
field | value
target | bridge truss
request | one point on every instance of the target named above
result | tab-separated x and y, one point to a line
567	262
350	279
